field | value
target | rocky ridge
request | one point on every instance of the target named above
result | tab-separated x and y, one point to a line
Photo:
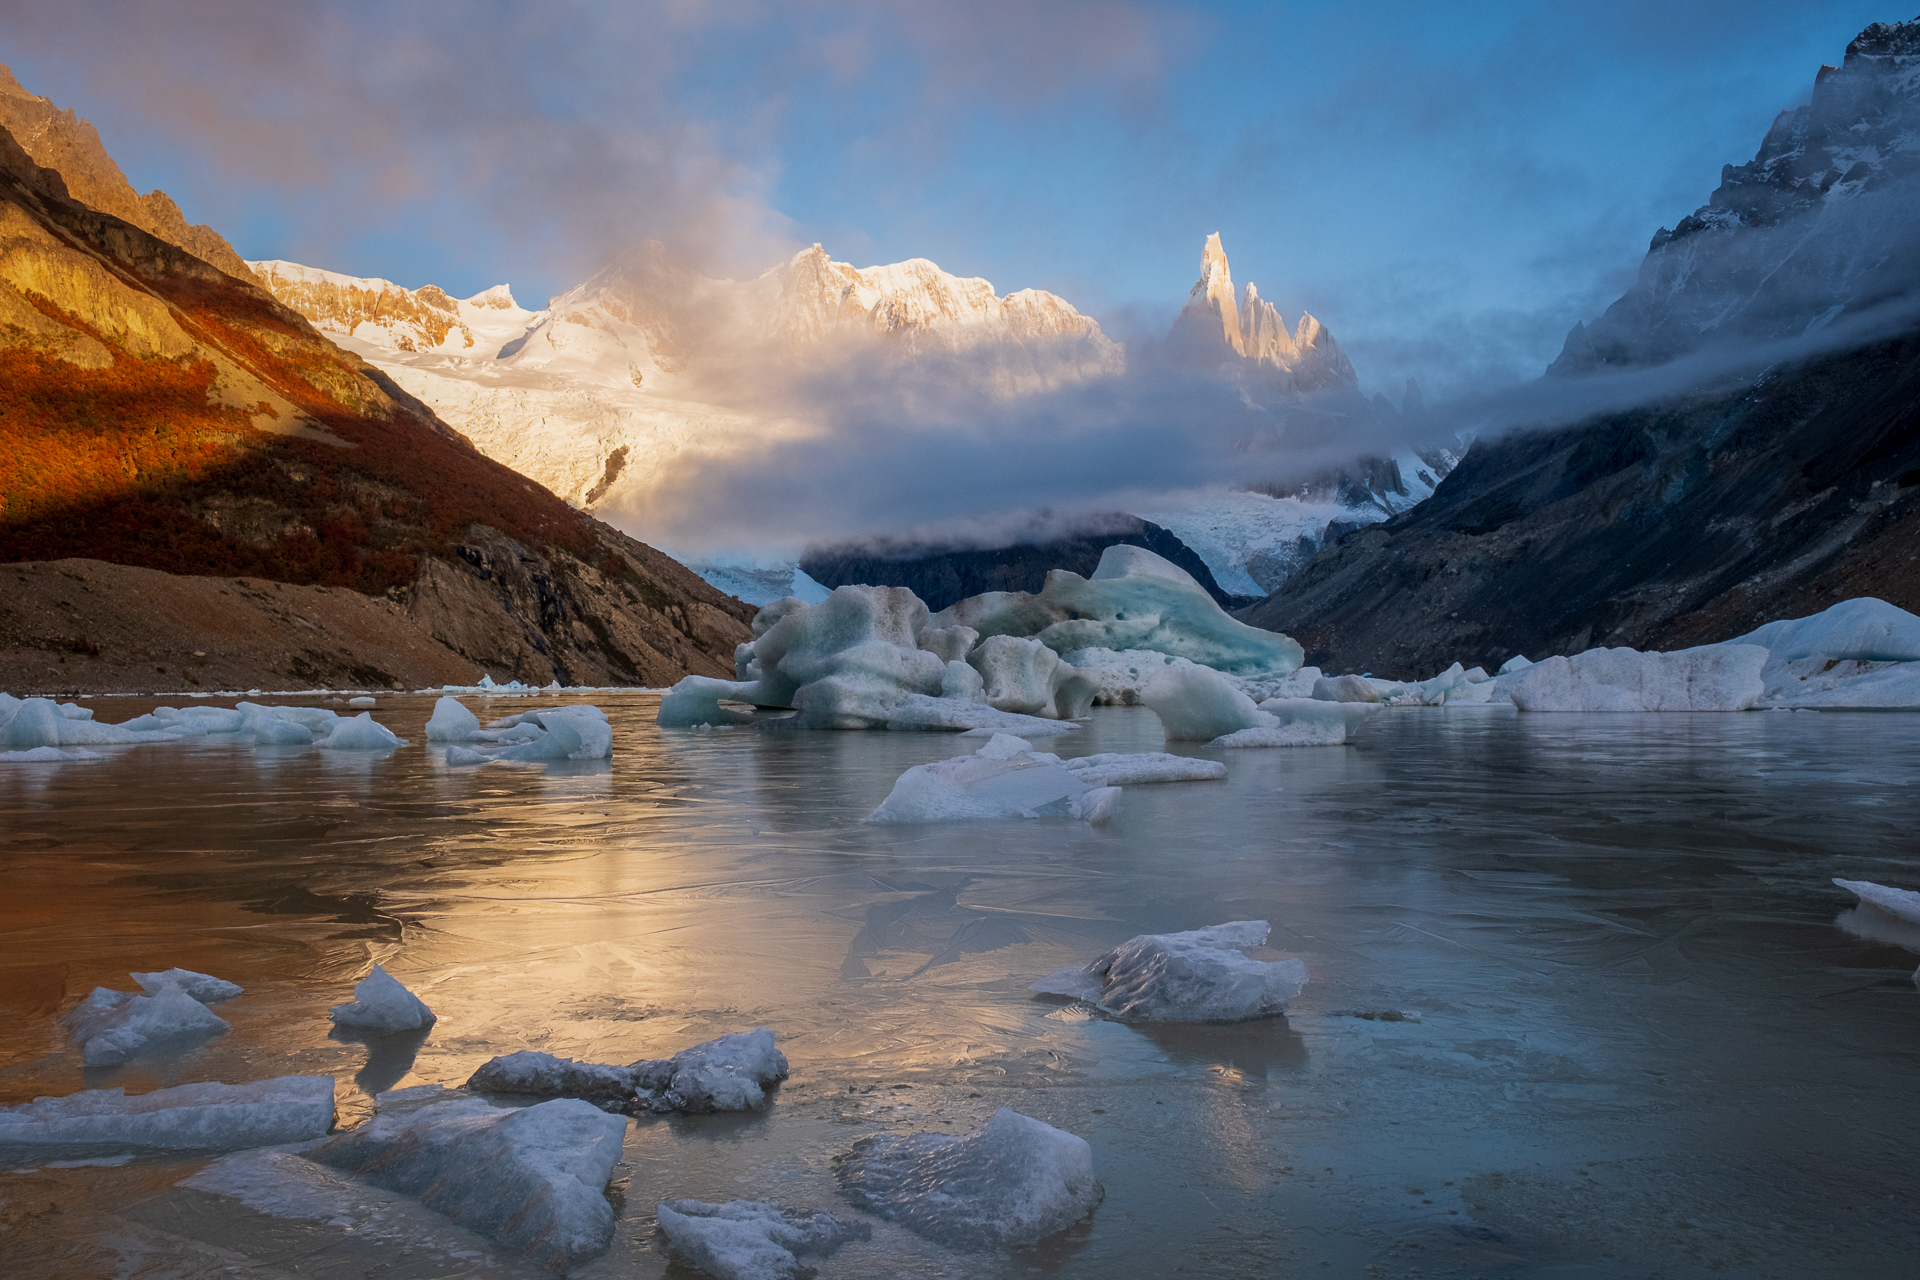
62	141
1214	327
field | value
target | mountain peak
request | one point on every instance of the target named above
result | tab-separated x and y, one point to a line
1213	328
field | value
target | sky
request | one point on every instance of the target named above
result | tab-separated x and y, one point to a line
1448	188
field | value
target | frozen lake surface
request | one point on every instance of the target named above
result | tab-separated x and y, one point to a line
1654	1038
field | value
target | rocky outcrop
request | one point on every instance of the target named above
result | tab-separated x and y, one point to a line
402	319
1823	223
257	449
62	141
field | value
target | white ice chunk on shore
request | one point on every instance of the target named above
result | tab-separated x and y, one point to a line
751	1239
1203	975
381	1004
112	1026
1012	1182
531	1178
452	722
1903	903
188	1117
203	987
727	1073
1111	769
1004	779
361	733
1723	677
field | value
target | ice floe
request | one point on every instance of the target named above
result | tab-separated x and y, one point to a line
29	725
1203	975
578	732
1903	903
1198	705
188	1117
1006	778
531	1178
1709	678
1013	1181
110	1027
1111	769
751	1239
728	1073
361	733
381	1004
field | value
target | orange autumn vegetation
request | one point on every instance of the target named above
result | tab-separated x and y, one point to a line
136	463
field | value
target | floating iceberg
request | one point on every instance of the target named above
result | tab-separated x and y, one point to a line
1198	705
202	987
1200	976
1110	769
382	1005
361	733
1134	600
1025	676
1006	778
1011	1182
696	701
188	1117
452	722
1903	903
1345	689
112	1026
1709	678
728	1073
531	1178
753	1240
31	724
1864	629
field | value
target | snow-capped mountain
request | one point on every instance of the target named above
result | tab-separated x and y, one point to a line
1214	326
385	315
1823	221
596	395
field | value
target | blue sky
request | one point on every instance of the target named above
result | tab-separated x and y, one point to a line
1447	188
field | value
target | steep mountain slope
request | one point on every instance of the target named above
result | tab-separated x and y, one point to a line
63	142
393	318
157	412
1699	518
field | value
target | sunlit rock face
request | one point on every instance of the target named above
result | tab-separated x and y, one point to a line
1214	327
61	141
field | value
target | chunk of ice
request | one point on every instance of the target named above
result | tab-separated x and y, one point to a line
1202	975
532	1178
1863	628
751	1239
696	700
727	1073
1011	1182
1095	807
362	733
192	1117
1111	769
381	1004
1001	780
1722	677
202	987
1195	704
451	722
1345	689
1904	903
112	1026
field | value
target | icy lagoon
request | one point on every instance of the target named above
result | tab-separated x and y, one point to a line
1653	1037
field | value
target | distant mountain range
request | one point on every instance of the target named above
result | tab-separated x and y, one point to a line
1767	492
